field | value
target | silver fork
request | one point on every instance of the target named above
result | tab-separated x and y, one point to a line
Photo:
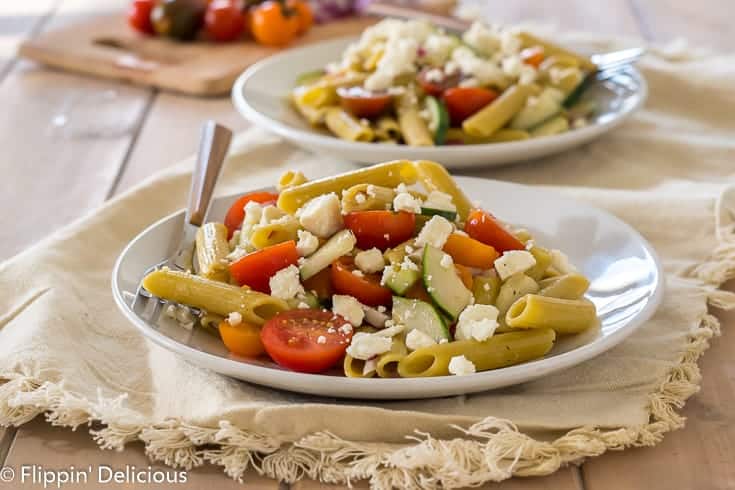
213	146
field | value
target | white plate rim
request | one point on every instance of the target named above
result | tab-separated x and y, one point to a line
388	387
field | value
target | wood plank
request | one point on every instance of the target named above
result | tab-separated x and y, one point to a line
49	447
704	23
20	21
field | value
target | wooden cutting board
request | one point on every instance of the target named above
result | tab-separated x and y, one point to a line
107	47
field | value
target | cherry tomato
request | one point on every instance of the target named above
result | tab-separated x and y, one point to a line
236	213
436	87
256	268
465	274
363	103
308	341
304	14
381	229
470	252
273	24
224	20
533	56
242	340
365	287
462	102
139	15
320	284
483	226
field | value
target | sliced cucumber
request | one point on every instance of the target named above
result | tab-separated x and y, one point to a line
340	244
439	122
546	106
443	284
309	77
555	125
444	213
399	280
309	299
576	94
419	315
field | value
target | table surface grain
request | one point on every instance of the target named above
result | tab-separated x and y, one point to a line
60	159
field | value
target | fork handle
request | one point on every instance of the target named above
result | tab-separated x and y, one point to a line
213	148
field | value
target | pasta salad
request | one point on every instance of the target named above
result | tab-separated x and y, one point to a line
410	82
386	271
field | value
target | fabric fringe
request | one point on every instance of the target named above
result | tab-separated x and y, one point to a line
490	450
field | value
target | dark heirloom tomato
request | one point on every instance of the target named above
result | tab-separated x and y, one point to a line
436	86
363	103
178	19
236	213
483	226
308	341
365	287
462	102
381	229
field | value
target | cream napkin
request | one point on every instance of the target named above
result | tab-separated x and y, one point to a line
67	352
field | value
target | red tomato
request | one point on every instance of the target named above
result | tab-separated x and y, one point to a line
308	341
462	102
436	87
363	103
139	15
366	287
483	226
255	269
381	229
224	20
236	213
533	56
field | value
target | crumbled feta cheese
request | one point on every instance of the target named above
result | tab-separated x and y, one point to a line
560	262
446	261
270	213
371	190
381	309
303	306
416	339
451	68
322	215
375	317
469	82
399	58
346	329
485	71
439	200
348	308
480	37
408	264
406	202
360	198
370	261
512	66
321	339
513	262
477	322
181	314
366	346
234	318
527	75
307	244
579	123
509	43
369	366
286	283
460	366
437	48
435	232
486	286
358	273
434	75
236	254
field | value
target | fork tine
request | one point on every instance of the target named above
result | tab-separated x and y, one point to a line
157	309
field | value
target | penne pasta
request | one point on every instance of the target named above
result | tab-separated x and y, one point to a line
555	125
387	363
568	286
363	197
514	287
278	231
564	316
435	177
355	368
291	178
212	249
387	129
347	127
543	261
497	114
414	129
550	49
485	289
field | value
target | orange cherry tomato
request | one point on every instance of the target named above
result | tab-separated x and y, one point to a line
381	229
363	103
462	102
273	24
308	341
365	287
242	340
483	226
224	20
320	284
533	56
236	213
470	252
304	14
255	269
465	275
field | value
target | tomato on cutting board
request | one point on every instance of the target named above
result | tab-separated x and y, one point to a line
274	24
224	20
236	213
308	341
462	102
255	269
303	11
483	226
381	229
139	15
365	288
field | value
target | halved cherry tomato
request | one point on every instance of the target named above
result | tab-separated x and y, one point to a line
224	20
483	226
304	13
363	103
435	86
533	56
236	213
465	274
365	287
381	229
308	341
242	340
470	252
320	284
273	24
256	268
462	102
139	15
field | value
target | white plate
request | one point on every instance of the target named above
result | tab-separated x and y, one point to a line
626	286
260	94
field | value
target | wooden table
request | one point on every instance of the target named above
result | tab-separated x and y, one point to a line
55	170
